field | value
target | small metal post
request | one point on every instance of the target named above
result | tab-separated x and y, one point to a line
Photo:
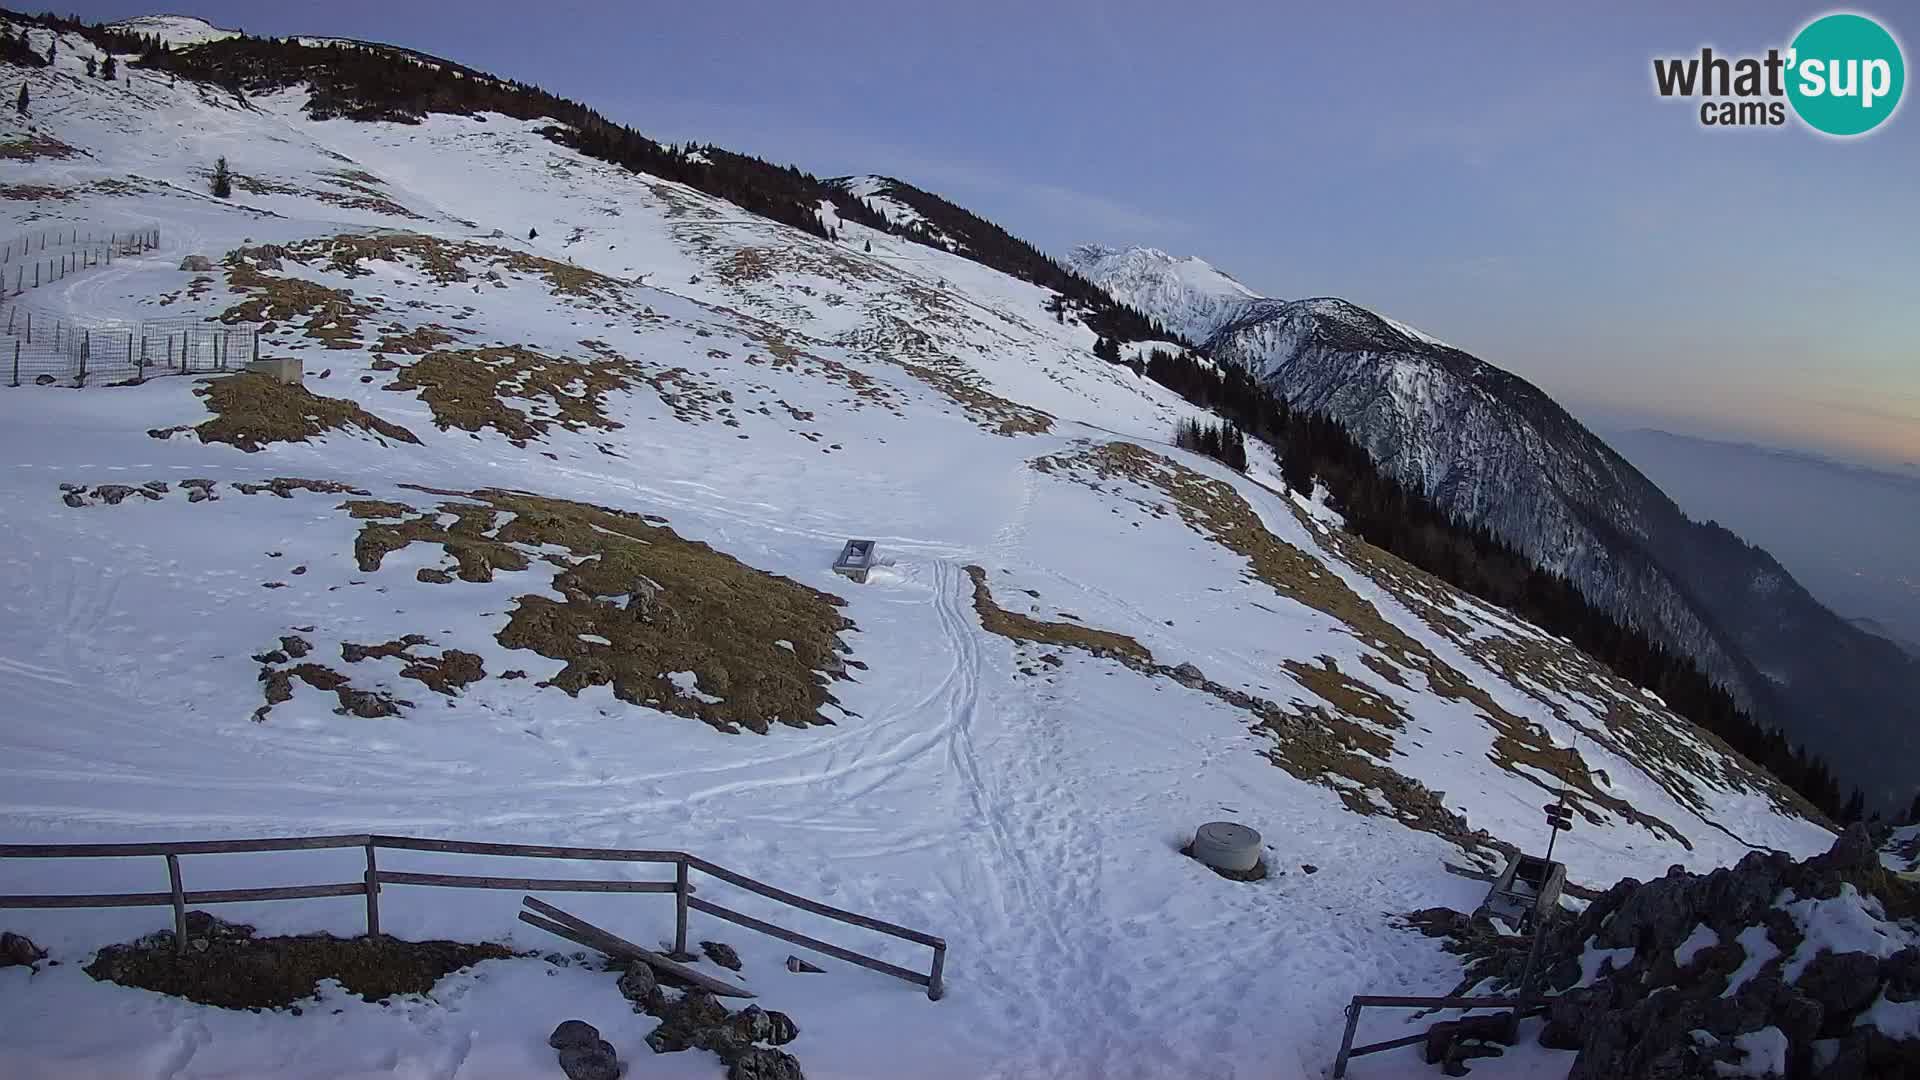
16	361
169	352
179	906
680	906
86	346
373	894
936	987
1346	1040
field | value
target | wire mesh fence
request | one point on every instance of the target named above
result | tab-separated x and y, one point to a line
44	348
28	262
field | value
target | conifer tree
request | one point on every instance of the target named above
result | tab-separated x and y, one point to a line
91	70
109	69
20	106
222	179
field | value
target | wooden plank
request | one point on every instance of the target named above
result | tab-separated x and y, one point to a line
372	879
936	989
681	889
286	892
1399	1001
1389	1044
179	906
526	851
614	945
468	881
804	904
88	900
185	847
166	899
835	951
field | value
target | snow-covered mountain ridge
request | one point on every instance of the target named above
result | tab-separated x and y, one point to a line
543	544
1491	448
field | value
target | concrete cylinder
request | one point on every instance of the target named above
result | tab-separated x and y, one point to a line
1226	846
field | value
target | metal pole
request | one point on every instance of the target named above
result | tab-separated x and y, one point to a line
16	361
179	906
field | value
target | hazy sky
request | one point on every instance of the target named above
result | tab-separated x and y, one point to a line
1502	176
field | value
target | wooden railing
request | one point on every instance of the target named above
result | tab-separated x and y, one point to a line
682	887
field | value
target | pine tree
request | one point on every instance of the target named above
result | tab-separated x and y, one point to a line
222	179
109	69
1856	808
869	247
533	234
91	72
20	106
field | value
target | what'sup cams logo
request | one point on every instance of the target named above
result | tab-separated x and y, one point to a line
1842	76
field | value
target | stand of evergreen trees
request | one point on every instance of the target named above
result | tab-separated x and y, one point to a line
1220	441
1395	518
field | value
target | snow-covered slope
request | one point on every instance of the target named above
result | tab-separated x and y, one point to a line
502	432
879	193
1493	449
175	30
1189	296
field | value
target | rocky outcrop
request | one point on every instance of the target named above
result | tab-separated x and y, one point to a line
696	1019
1770	967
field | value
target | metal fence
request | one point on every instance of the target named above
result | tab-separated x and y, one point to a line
28	262
374	879
49	347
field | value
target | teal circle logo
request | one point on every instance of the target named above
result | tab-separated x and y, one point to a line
1845	74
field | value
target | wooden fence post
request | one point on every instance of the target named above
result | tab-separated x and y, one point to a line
86	346
16	361
680	907
935	988
179	906
373	894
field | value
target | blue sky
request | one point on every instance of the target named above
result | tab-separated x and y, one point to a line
1503	176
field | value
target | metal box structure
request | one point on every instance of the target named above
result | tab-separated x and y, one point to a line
856	559
1525	891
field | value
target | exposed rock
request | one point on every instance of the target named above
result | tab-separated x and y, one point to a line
754	1024
639	985
693	1019
761	1063
722	954
72	499
574	1033
1648	1017
432	576
1189	676
1843	983
590	1062
199	263
794	963
17	950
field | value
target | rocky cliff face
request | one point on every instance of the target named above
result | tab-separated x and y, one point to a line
1495	450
